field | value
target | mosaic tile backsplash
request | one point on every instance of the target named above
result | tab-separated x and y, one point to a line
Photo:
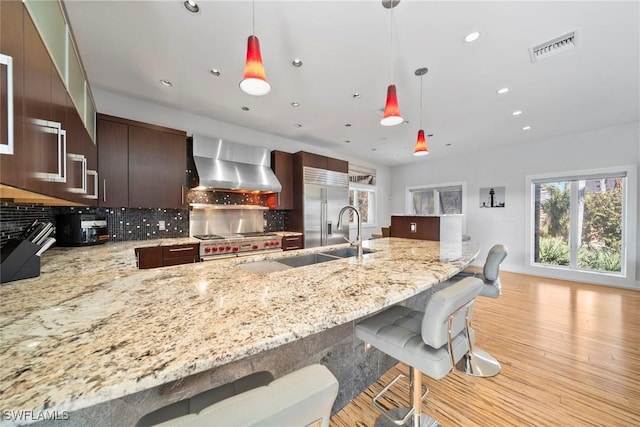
135	223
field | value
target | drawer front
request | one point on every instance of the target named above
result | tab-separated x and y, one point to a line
149	257
290	243
179	251
180	260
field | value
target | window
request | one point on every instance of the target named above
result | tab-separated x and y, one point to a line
579	222
362	193
364	199
435	199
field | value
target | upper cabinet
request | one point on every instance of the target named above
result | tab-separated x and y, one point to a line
322	162
53	153
141	165
54	30
282	166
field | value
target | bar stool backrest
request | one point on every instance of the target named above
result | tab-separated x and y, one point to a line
491	269
443	304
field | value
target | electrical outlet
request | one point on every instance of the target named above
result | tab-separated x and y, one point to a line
162	226
413	227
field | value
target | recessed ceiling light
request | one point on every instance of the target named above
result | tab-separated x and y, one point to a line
166	83
406	122
517	112
215	72
355	95
244	108
298	125
526	128
374	149
503	90
429	135
191	6
296	62
471	37
447	145
295	104
348	125
347	141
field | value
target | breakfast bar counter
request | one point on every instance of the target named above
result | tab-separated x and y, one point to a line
93	327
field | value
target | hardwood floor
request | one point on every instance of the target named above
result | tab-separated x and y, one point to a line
570	356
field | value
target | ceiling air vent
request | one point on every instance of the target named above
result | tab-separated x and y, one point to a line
553	47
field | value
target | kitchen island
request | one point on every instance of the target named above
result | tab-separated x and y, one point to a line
92	328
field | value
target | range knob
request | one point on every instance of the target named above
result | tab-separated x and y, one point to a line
228	248
207	250
235	249
254	247
276	243
214	249
221	248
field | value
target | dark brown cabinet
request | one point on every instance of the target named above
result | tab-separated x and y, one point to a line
113	163
164	256
322	162
282	166
290	243
53	154
12	166
140	165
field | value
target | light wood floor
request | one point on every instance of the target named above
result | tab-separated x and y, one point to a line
570	356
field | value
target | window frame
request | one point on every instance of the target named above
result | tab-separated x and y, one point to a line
411	189
626	277
356	187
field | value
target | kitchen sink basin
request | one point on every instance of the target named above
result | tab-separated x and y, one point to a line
280	264
302	260
346	252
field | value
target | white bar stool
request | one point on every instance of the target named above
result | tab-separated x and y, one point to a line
430	343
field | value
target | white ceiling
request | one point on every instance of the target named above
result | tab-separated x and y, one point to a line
128	47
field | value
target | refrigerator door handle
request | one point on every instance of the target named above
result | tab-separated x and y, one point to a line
329	225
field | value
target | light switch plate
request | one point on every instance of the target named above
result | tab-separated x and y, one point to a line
161	225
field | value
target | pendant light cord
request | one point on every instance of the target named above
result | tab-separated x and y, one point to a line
391	45
253	17
420	102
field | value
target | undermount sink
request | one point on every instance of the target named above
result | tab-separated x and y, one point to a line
280	264
302	260
346	252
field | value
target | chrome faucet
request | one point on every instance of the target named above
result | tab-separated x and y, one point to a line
358	242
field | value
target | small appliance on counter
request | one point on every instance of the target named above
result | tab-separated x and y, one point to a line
20	258
81	229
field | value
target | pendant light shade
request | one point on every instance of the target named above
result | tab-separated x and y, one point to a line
254	81
421	145
391	116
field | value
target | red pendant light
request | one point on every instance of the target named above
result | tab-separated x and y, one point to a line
391	116
254	81
421	143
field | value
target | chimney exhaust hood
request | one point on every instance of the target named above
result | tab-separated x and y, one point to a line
225	165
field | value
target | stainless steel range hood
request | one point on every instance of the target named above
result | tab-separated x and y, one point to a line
228	165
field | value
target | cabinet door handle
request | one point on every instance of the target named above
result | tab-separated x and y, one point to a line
83	161
94	174
104	189
7	148
54	128
182	194
291	239
180	249
278	204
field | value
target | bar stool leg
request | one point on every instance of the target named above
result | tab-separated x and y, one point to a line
417	419
477	362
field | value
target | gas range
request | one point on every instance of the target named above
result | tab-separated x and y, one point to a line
213	246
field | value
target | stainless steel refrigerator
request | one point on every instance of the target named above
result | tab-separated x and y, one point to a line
325	193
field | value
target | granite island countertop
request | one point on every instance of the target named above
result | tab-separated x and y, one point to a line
93	328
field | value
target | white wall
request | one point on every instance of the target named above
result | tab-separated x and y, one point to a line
135	109
507	166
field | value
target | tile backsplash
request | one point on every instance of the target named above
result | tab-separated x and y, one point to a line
135	223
